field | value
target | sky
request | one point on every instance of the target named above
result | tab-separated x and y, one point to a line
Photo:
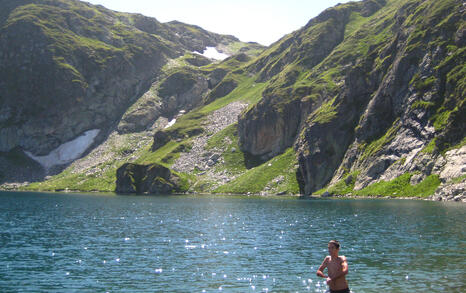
262	21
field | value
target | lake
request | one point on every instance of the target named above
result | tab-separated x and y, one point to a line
110	243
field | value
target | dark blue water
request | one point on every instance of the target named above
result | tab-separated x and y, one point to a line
108	243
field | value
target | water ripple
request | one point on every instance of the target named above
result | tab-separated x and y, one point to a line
224	244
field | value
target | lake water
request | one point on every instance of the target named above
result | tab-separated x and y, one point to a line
108	243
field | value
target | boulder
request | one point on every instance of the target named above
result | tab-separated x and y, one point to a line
160	139
151	179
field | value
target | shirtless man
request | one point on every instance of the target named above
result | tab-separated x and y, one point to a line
337	268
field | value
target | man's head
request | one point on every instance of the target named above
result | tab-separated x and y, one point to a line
335	243
333	247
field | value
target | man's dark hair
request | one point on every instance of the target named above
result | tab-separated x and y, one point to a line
336	243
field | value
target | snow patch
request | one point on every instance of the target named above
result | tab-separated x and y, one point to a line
212	53
68	151
170	123
173	121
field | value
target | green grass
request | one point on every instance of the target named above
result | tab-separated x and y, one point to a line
431	147
422	84
227	140
355	23
401	187
256	179
423	105
325	113
78	181
441	119
341	187
247	91
376	145
457	179
164	155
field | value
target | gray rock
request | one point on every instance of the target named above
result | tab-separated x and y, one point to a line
214	157
416	178
152	178
326	194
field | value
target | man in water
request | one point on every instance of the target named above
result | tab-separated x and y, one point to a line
337	268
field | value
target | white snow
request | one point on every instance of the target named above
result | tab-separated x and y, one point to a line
68	151
173	121
212	53
170	123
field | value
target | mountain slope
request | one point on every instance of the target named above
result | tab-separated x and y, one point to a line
68	67
367	99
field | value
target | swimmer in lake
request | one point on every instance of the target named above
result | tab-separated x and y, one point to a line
337	268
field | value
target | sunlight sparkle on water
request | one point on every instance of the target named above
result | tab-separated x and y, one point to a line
219	243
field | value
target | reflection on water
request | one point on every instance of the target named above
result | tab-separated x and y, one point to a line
231	244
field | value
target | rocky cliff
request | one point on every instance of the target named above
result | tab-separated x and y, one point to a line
369	102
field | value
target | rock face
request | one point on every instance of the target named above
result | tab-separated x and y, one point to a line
182	90
152	179
56	86
266	131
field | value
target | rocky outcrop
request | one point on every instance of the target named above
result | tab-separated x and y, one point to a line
182	90
151	179
196	38
142	114
451	192
225	87
266	131
272	126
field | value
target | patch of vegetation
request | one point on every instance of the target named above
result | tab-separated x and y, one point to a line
178	82
457	179
441	119
67	180
227	140
342	187
401	187
431	147
247	91
376	145
422	84
423	105
325	113
248	48
165	155
256	179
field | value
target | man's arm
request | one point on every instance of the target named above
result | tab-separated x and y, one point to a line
344	269
320	270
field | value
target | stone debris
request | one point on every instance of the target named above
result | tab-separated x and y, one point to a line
202	160
451	192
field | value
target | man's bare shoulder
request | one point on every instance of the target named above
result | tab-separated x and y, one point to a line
343	258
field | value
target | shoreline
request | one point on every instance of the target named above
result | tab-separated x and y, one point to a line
265	195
